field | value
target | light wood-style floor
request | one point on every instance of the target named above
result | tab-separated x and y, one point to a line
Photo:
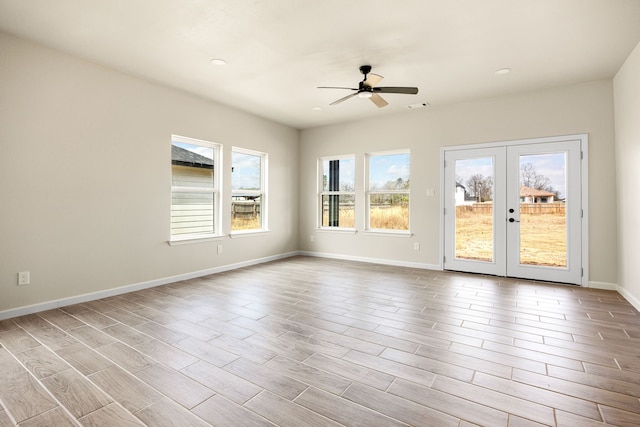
318	342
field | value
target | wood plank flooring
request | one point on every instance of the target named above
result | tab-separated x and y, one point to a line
318	342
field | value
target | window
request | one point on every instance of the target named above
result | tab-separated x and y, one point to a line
388	191
248	204
194	188
337	192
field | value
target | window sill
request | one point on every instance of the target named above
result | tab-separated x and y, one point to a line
176	241
337	230
390	233
251	233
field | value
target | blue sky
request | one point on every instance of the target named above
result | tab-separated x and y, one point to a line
382	169
388	168
347	173
550	165
246	171
553	166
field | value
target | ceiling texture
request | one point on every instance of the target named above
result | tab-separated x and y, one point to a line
279	51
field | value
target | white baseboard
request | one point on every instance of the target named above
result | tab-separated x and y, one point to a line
622	291
35	308
603	285
373	260
30	309
632	299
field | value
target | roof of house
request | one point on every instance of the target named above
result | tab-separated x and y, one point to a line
183	157
528	191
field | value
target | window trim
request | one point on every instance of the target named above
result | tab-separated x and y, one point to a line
369	192
322	192
264	223
215	190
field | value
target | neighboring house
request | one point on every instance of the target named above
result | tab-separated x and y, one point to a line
461	196
191	211
531	195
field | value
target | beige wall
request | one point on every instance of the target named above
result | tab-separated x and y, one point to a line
85	177
627	108
584	108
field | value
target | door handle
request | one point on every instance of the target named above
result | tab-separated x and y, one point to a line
513	220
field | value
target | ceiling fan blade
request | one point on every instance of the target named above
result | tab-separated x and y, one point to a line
373	79
378	100
336	87
344	99
392	89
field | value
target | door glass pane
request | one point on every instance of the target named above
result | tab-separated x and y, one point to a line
543	200
474	227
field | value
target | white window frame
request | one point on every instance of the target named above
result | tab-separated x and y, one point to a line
214	190
369	193
264	161
322	192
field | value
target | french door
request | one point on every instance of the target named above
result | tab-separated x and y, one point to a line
515	209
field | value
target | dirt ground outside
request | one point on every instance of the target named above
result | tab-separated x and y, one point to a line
543	237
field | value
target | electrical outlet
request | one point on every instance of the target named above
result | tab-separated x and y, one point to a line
312	238
416	246
219	249
24	278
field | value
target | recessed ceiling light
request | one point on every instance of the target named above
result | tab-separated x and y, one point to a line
218	61
501	71
316	108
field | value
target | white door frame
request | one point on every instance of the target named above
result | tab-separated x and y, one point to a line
583	138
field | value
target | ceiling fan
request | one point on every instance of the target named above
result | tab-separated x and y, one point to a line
367	88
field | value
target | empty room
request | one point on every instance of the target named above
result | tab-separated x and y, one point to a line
297	213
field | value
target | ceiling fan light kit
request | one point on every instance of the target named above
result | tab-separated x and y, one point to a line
368	88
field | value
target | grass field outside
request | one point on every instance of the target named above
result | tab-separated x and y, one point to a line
543	237
238	224
382	217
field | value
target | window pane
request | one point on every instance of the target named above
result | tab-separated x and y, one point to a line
191	213
389	172
338	175
191	165
247	173
246	212
389	211
338	210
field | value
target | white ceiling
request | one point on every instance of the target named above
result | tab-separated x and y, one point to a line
278	51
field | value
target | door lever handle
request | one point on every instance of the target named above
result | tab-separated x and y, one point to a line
513	220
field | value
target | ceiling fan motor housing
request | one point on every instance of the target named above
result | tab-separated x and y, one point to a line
365	69
362	87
